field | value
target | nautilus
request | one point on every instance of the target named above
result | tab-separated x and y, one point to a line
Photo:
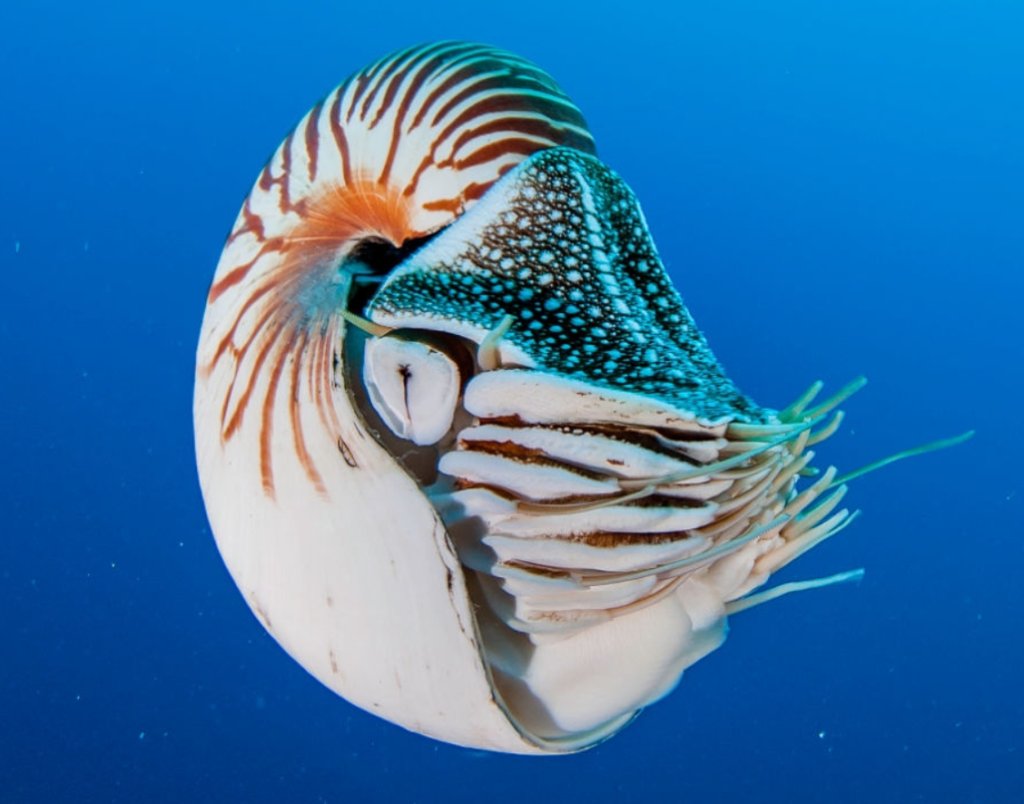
462	446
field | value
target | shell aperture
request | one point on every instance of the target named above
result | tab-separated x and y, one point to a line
462	447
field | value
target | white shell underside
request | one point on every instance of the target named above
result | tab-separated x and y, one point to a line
291	555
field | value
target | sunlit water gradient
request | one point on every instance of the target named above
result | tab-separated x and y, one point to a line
837	189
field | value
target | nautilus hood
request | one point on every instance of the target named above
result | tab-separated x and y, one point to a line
560	246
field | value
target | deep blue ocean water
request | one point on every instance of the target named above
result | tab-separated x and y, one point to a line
836	188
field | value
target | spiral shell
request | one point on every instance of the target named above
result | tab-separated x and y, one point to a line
462	446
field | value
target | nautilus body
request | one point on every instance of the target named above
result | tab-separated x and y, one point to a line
462	447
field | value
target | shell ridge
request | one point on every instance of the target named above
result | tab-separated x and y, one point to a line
318	194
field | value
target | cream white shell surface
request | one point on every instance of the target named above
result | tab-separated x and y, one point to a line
334	580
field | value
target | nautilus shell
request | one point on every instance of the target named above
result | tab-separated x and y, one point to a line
462	447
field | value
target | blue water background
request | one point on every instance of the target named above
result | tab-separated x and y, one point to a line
836	187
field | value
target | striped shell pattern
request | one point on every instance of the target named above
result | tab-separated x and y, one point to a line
462	446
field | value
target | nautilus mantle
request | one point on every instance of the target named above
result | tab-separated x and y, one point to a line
462	447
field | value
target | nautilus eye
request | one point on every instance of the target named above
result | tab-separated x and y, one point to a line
462	446
413	386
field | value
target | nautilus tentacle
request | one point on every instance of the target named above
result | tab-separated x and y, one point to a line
462	446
